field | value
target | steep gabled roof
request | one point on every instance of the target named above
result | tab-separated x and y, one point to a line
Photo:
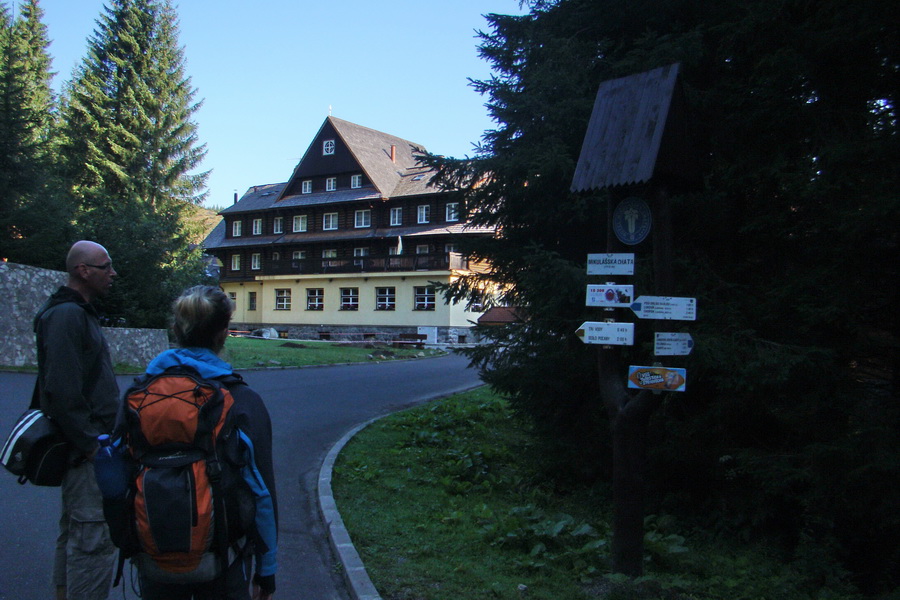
388	162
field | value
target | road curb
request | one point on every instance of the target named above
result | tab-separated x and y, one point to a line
361	587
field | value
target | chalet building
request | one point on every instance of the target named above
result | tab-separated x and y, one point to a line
349	247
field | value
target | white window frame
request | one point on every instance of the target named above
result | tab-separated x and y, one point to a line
362	218
360	252
306	186
257	226
424	213
283	299
355	181
256	261
451	213
331	184
385	298
298	255
422	248
397	216
315	298
300	223
328	148
235	262
350	298
424	297
330	221
278	225
276	256
329	253
236	228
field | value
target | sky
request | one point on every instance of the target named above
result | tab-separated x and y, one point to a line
269	73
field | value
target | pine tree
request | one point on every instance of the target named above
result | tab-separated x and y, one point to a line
131	150
33	218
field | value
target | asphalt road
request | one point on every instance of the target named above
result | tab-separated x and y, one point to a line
311	410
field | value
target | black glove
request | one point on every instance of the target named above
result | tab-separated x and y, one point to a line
266	584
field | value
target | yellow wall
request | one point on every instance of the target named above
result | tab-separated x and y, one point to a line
403	315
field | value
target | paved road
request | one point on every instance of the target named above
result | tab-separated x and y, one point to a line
311	410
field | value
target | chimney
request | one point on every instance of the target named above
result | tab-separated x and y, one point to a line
393	153
235	196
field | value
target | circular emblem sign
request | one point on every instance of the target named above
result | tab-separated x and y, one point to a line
631	221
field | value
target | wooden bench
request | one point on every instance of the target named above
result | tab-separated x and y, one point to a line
410	339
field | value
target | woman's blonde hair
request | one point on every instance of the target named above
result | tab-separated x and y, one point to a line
200	315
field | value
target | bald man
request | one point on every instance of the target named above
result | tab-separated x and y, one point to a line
79	391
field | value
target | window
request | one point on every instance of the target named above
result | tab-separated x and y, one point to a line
315	299
236	228
299	254
328	147
450	248
349	298
299	223
276	256
363	218
278	225
255	261
452	211
251	300
233	297
283	299
330	221
331	184
396	216
355	181
235	262
385	298
329	253
424	297
424	213
306	186
421	248
360	252
257	226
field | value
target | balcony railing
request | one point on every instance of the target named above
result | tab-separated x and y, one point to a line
364	264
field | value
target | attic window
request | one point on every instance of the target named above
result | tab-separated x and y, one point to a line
328	147
356	181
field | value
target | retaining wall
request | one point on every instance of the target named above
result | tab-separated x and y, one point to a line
24	289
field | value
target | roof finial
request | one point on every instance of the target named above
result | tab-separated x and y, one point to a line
329	110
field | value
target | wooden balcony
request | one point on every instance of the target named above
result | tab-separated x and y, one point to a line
362	264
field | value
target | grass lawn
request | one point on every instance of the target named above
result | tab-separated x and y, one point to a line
441	504
248	353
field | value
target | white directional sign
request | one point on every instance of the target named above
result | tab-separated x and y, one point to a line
665	307
610	264
673	344
612	334
610	295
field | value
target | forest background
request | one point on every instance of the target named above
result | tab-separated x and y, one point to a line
788	432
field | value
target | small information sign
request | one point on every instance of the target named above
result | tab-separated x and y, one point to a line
610	295
665	307
611	334
610	264
657	378
673	344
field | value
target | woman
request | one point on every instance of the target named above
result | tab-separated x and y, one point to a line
201	317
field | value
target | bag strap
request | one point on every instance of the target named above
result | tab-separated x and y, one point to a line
36	394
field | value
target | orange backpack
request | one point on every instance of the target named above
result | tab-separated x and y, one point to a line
177	429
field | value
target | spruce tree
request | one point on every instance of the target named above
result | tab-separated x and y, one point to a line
33	217
130	151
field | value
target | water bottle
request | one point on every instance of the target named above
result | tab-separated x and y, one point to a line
110	469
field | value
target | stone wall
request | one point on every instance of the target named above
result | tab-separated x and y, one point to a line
24	289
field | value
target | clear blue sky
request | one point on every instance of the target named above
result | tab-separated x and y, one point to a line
269	71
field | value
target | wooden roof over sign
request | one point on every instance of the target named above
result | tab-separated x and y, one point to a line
637	131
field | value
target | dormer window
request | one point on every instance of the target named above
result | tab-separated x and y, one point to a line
327	147
356	181
236	229
306	186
